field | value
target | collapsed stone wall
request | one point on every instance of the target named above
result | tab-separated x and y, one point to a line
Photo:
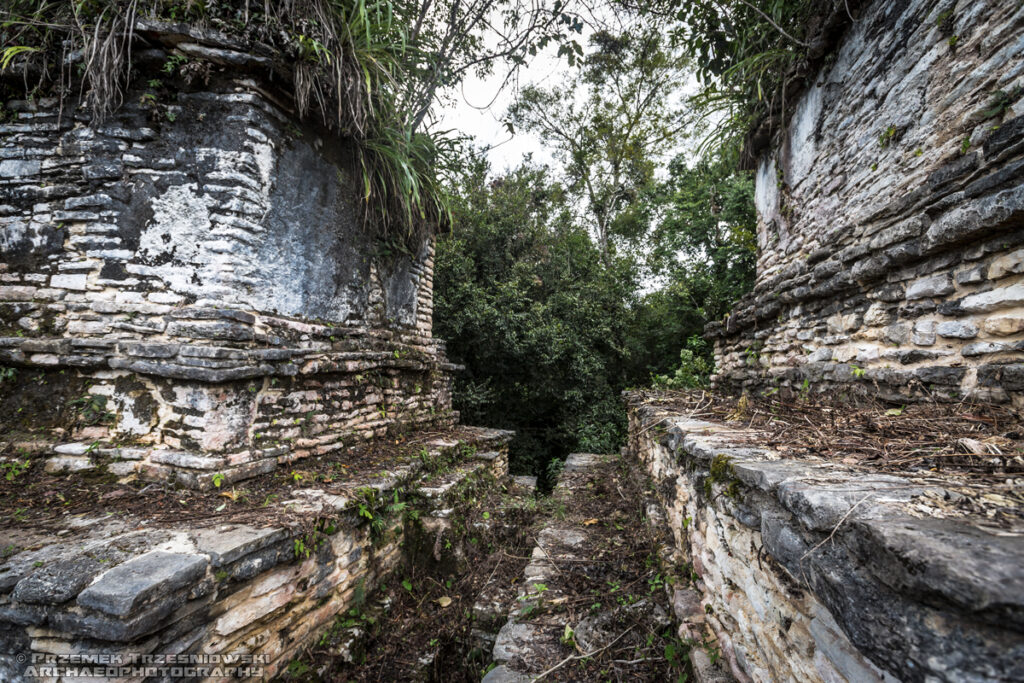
891	216
807	570
197	267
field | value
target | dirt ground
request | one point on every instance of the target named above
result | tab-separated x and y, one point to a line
32	498
984	442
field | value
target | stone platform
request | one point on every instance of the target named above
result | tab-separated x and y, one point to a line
194	282
256	582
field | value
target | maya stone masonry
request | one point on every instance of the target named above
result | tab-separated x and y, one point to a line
891	215
187	289
189	296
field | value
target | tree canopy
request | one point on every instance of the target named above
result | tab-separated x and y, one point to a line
560	287
609	124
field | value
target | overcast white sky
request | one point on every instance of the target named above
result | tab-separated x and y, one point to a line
480	105
479	109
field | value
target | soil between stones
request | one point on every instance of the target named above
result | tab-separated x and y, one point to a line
32	498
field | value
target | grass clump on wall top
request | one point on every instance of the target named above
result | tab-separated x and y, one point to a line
349	65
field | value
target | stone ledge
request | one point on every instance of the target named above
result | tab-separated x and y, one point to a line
103	585
204	363
781	541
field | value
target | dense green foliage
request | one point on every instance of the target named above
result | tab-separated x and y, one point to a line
746	54
559	289
551	332
704	247
527	303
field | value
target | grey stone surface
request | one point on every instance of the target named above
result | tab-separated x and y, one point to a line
57	582
984	348
230	227
845	658
1002	297
981	572
939	285
924	333
503	674
581	461
527	482
706	671
119	629
122	590
957	329
514	641
227	544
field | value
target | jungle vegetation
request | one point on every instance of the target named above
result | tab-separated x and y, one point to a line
560	287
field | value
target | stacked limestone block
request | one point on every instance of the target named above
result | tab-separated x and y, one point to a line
891	215
233	591
810	571
197	266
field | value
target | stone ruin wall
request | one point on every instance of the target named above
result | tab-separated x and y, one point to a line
188	294
891	216
891	263
805	570
196	272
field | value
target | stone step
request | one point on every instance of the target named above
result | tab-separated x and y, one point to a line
566	611
526	483
257	579
464	553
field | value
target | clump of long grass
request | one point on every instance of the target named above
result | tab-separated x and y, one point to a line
349	60
752	57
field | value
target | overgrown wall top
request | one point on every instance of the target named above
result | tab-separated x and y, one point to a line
891	215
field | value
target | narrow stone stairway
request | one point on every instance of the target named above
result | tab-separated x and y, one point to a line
594	602
434	616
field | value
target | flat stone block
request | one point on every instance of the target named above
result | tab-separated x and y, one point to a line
68	463
957	330
503	674
1004	297
225	545
77	281
58	582
123	589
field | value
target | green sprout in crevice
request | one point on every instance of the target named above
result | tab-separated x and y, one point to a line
887	137
999	102
721	471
